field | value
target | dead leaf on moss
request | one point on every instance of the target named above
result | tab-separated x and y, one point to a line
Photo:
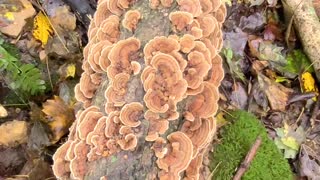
60	117
13	133
276	93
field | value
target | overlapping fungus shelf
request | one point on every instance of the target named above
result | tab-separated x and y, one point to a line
148	91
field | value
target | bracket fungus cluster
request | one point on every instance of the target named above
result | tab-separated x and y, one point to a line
146	95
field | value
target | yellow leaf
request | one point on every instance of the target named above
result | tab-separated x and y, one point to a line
71	70
42	29
61	117
290	142
309	84
221	121
9	16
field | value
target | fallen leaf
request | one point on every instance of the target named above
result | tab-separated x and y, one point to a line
63	19
290	140
309	166
253	22
14	19
60	116
236	41
13	133
239	96
42	29
3	112
67	70
256	2
221	120
37	169
233	64
308	84
277	94
11	161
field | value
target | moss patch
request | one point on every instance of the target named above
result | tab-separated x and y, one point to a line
237	140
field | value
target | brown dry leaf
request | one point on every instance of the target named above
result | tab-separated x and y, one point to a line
60	116
63	19
15	20
13	133
276	93
239	96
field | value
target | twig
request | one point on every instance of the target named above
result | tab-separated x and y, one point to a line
247	161
48	69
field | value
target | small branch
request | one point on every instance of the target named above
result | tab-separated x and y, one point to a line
247	161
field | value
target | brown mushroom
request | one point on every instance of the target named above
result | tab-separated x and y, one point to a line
131	19
180	19
129	143
61	166
179	155
131	113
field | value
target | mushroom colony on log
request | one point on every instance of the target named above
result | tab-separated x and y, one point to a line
148	91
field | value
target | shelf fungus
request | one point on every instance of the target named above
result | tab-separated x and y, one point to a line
131	19
148	92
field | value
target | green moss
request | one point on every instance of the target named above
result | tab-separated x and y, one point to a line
237	140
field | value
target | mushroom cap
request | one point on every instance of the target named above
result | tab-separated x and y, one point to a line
60	166
78	165
121	55
101	14
179	154
160	44
87	87
180	19
197	69
205	104
131	113
159	147
217	73
163	81
88	124
114	8
131	19
187	43
200	136
166	3
109	29
129	142
208	24
112	124
116	92
190	6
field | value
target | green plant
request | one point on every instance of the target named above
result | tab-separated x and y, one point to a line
23	78
237	140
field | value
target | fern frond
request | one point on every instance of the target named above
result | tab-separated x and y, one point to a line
24	77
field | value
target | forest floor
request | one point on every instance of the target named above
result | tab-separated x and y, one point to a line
266	73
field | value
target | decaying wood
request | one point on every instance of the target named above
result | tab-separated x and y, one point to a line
307	25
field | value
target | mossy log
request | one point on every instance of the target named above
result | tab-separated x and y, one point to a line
149	91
